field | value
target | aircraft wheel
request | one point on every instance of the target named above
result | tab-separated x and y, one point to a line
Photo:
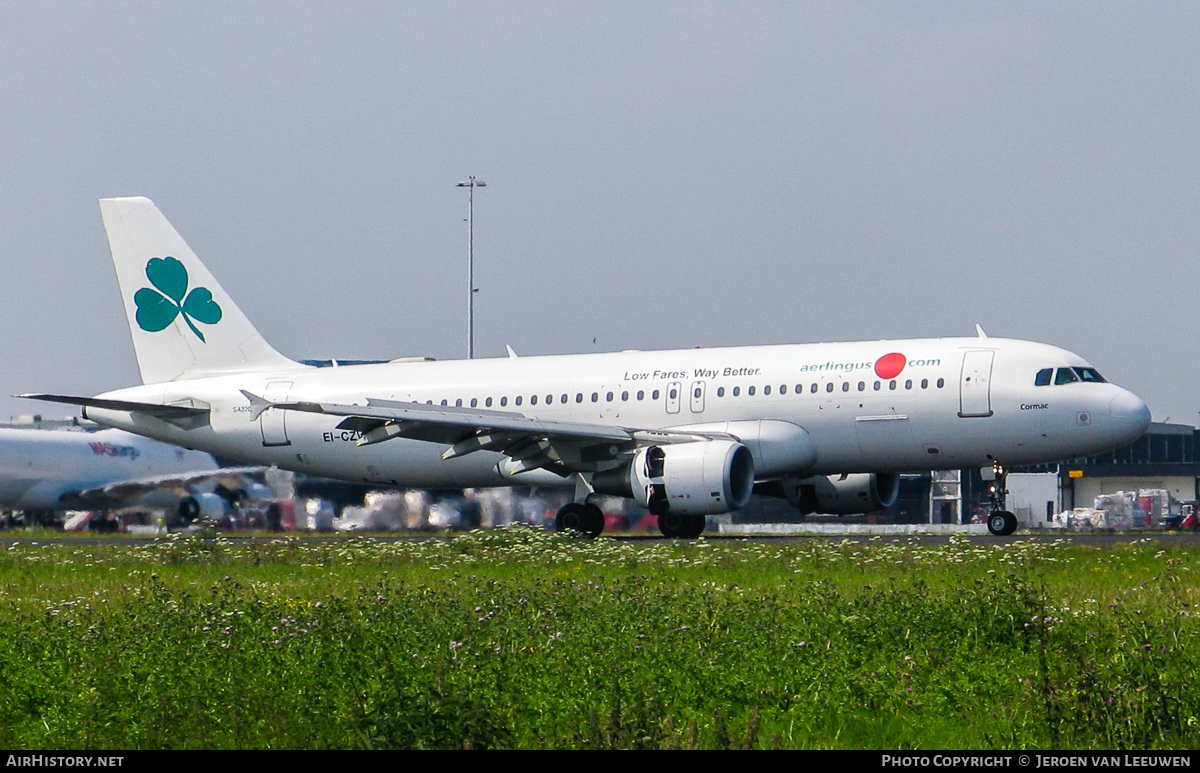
593	520
681	526
588	519
1002	523
694	526
670	524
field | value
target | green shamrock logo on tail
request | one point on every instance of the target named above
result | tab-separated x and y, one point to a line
158	309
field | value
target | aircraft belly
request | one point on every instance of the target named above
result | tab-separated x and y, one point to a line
17	494
397	462
886	441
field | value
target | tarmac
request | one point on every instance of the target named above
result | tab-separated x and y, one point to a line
851	529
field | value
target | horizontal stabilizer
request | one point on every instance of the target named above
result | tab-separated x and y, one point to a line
151	409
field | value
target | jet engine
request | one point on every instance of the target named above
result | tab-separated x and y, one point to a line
246	495
702	478
203	507
842	494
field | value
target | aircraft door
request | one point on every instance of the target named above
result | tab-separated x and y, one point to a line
975	384
697	398
273	422
673	390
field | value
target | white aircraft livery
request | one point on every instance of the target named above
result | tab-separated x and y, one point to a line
53	470
686	433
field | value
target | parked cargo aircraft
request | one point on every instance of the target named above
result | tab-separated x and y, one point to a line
45	470
685	433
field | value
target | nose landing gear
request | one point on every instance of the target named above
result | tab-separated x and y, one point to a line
1000	522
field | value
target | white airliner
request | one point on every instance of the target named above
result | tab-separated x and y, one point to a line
44	470
685	433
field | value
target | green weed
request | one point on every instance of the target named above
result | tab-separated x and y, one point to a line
523	639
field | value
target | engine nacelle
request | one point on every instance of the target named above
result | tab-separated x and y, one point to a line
842	494
203	507
702	478
246	495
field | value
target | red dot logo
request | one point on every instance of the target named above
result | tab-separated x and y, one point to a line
889	365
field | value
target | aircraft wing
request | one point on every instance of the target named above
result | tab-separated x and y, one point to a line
562	447
117	493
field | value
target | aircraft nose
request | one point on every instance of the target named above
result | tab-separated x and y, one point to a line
1130	416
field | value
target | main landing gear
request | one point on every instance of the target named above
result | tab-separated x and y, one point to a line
681	526
1000	522
587	519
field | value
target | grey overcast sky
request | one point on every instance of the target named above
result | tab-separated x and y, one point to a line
660	174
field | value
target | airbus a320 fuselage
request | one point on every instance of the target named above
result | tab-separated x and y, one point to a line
686	433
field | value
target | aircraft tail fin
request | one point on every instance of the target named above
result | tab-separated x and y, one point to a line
182	322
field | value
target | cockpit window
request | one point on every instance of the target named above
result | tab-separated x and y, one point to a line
1065	376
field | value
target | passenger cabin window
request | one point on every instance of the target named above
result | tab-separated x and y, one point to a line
1043	377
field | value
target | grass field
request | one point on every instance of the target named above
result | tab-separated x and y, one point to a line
523	639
